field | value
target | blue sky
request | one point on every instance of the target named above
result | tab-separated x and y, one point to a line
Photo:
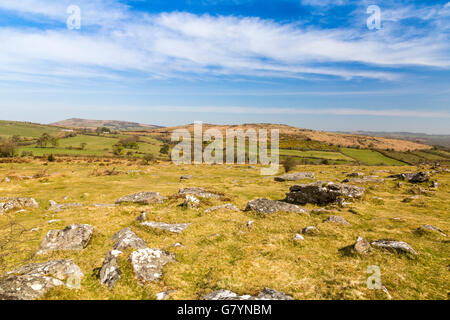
307	63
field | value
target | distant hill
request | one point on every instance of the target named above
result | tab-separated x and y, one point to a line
112	124
430	139
288	133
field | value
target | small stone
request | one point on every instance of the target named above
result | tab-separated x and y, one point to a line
361	246
110	273
175	228
126	238
191	202
148	263
142	217
298	237
393	245
267	206
430	228
228	206
249	223
337	219
143	198
310	230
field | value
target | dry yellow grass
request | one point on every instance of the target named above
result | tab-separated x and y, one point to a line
219	251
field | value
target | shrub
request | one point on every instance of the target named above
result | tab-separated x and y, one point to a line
8	148
51	158
289	164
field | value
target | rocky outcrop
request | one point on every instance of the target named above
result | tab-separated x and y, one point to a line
142	198
126	238
393	245
148	263
266	294
295	176
191	201
228	206
175	228
199	192
9	204
323	193
361	246
110	272
266	206
32	281
73	237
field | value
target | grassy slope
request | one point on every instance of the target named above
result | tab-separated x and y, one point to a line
219	251
10	128
316	154
370	157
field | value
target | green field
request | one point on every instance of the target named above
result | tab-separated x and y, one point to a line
370	157
29	130
315	154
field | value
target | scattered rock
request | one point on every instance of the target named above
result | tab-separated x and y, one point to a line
361	246
336	219
295	176
266	294
142	198
186	177
110	272
55	207
176	228
126	238
148	263
430	228
393	245
199	192
298	237
228	206
249	223
73	237
355	175
364	180
32	281
410	199
434	184
310	230
412	177
323	193
267	206
163	295
142	217
9	204
191	202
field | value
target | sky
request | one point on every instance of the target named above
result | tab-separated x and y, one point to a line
317	64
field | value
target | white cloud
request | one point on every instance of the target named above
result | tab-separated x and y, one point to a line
181	44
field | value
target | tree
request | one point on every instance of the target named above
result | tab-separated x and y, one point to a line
83	145
46	139
148	158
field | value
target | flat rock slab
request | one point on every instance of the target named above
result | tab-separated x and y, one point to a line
148	263
32	281
295	176
199	192
59	207
110	272
323	193
364	180
73	237
142	198
393	245
176	228
266	294
266	206
126	238
191	201
9	204
228	206
413	177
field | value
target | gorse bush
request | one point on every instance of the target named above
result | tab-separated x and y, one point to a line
289	164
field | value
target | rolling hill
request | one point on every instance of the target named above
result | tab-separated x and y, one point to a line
111	124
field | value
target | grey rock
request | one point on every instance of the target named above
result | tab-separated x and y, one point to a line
126	238
142	217
266	294
175	228
142	198
191	201
186	177
266	206
361	246
337	219
429	227
298	237
110	272
73	237
148	263
228	206
355	175
310	230
32	281
393	245
323	193
295	176
59	207
412	177
199	192
9	204
364	180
